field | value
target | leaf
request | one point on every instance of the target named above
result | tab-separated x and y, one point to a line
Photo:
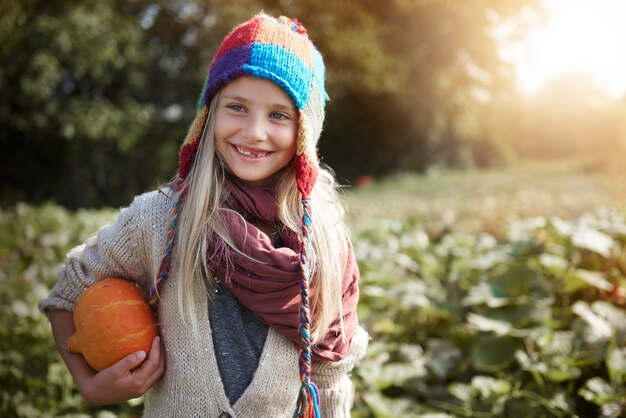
492	353
577	279
482	323
555	265
462	391
559	401
598	391
386	407
517	280
398	373
562	229
592	240
599	329
555	343
522	313
616	365
552	369
562	373
523	359
381	373
444	357
482	392
413	294
483	294
488	260
612	314
488	387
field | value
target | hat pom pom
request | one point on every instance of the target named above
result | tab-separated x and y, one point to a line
296	26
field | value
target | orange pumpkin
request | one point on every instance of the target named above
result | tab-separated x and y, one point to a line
112	320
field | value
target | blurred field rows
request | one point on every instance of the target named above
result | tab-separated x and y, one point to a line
488	200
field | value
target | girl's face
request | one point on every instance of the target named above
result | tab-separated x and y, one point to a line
256	129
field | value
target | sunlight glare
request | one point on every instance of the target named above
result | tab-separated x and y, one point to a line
580	35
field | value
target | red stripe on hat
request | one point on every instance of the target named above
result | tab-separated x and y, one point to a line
243	34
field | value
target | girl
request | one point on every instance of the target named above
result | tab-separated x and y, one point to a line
245	254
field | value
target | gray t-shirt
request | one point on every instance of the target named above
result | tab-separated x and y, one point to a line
238	340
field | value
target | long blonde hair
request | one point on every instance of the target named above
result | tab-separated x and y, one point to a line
200	214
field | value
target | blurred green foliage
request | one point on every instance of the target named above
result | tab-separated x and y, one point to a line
34	381
97	95
531	325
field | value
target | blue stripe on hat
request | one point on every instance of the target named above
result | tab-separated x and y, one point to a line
284	68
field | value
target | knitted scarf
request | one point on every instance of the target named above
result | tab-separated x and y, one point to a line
265	279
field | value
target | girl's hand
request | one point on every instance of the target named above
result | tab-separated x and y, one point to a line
129	378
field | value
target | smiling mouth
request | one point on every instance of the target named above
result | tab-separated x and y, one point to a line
250	153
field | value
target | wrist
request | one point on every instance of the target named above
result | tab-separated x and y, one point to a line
84	380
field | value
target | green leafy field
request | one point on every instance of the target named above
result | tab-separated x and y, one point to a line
486	294
493	294
529	325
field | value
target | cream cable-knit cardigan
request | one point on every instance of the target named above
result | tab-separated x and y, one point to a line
191	386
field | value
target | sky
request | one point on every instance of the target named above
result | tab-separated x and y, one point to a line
578	35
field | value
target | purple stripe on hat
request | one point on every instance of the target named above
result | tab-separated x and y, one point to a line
227	67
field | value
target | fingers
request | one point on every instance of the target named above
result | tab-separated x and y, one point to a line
156	353
129	378
131	361
154	366
152	362
116	383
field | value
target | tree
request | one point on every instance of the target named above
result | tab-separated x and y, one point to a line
72	77
98	95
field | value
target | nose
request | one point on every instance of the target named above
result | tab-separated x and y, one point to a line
255	129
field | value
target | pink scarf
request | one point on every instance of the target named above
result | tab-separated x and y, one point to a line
268	283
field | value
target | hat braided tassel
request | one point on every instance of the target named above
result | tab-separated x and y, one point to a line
166	261
308	398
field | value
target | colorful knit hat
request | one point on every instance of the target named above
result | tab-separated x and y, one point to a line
279	50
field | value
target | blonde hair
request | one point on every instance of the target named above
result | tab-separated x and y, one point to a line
200	214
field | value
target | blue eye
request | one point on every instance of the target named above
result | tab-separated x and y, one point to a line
279	116
236	107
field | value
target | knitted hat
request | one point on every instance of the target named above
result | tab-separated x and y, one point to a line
279	50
